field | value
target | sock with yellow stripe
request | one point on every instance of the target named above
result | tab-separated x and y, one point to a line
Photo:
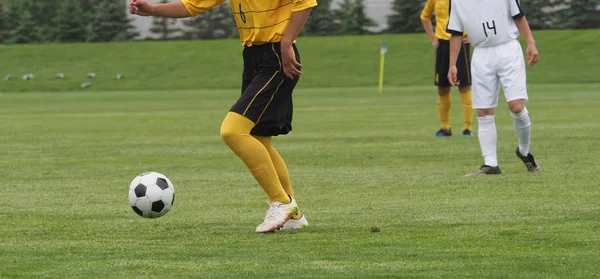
444	103
281	168
235	132
467	108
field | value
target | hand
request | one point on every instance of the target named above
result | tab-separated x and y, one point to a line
533	55
140	7
434	42
291	67
452	76
466	40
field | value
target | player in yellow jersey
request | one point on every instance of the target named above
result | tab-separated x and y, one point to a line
440	39
268	30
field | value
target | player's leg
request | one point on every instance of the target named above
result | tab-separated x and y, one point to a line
444	104
243	119
276	119
441	81
466	98
280	166
514	82
235	132
485	99
298	220
464	76
522	124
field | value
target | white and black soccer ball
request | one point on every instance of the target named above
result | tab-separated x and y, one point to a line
151	194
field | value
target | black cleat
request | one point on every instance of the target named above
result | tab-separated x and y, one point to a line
485	170
467	133
529	162
443	133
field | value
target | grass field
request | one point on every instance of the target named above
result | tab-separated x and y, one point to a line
68	158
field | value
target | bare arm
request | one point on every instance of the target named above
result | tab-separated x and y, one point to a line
532	53
455	44
426	15
428	29
297	21
291	67
523	26
174	9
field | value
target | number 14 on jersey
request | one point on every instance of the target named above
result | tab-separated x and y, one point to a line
486	26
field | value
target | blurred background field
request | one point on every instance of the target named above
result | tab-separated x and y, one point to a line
567	56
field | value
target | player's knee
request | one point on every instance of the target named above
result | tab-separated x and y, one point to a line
443	90
227	135
234	127
464	89
516	106
228	132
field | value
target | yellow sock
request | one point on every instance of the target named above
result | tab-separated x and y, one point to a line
281	168
235	132
467	107
444	103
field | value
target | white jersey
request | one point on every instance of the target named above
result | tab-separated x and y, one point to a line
487	22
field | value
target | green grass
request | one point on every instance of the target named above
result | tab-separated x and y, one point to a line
357	159
566	57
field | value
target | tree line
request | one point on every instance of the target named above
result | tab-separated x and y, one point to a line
34	21
541	14
348	17
31	21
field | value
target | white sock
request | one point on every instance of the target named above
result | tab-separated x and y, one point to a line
487	139
523	127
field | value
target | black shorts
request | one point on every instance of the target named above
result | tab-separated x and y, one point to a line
266	92
442	64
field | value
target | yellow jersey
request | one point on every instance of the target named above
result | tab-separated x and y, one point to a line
258	21
441	8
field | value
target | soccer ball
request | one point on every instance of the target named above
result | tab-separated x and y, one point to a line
151	194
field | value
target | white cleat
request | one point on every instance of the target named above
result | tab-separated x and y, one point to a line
292	224
277	215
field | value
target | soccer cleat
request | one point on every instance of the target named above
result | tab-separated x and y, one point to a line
485	170
466	133
529	162
443	133
292	224
277	215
